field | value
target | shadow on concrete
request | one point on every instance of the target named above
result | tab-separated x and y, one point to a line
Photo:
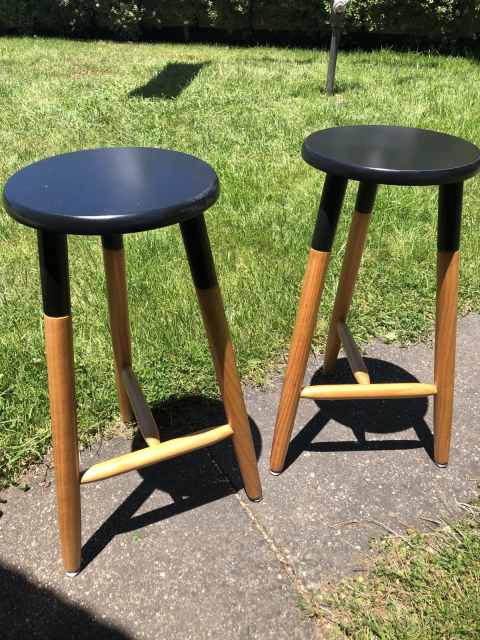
30	611
192	480
174	78
381	417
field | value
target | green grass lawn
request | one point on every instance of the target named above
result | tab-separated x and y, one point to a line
246	111
420	587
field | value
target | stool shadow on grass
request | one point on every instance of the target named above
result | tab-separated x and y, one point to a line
191	480
380	417
174	78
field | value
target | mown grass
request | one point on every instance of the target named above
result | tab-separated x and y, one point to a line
423	586
246	112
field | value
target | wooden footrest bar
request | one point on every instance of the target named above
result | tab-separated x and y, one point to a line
145	420
354	357
151	455
370	391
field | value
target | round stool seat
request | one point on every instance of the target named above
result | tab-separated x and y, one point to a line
117	190
392	155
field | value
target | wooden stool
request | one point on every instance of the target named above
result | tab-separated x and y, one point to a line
376	155
109	192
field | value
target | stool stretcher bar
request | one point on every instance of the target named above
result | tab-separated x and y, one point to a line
354	357
145	420
151	455
370	391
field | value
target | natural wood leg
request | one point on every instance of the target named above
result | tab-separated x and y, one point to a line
211	304
445	344
298	356
330	206
115	273
450	205
61	389
210	300
351	264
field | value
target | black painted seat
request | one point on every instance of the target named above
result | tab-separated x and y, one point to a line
113	190
392	155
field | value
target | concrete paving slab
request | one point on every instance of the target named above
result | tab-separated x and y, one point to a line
168	553
173	551
360	468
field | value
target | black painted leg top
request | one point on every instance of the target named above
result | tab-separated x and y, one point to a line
199	252
450	198
331	202
112	241
53	258
366	194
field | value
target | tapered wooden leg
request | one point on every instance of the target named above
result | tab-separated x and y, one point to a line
351	264
115	273
199	254
61	389
450	207
327	219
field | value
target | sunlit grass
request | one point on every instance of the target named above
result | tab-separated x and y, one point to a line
246	112
421	586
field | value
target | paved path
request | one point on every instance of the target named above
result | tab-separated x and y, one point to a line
177	552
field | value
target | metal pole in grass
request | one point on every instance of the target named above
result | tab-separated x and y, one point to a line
337	18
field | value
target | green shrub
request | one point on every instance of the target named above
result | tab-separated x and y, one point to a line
132	19
434	18
286	15
121	19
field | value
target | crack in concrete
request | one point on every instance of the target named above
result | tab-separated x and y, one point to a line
280	554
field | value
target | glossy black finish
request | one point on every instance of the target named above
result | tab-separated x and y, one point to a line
199	252
53	258
331	202
366	195
392	155
450	198
105	191
112	241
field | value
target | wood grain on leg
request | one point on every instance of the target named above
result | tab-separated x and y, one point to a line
445	344
298	355
202	267
354	356
115	273
449	226
364	203
54	278
331	202
143	414
210	301
61	390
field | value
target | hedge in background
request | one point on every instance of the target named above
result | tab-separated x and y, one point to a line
451	19
434	18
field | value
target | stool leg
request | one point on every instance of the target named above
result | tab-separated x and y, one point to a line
53	258
327	219
195	237
449	220
115	274
351	264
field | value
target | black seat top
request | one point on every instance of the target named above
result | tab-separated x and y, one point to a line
117	190
392	155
